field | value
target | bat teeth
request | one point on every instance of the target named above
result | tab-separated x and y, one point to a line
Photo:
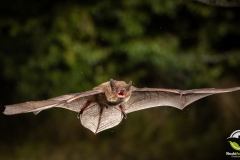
121	93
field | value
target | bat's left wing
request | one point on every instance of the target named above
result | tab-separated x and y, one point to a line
143	98
74	102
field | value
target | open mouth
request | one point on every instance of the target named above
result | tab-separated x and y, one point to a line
121	94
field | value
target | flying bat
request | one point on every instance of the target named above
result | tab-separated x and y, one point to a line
221	3
106	105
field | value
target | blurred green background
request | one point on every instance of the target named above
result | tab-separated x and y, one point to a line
51	48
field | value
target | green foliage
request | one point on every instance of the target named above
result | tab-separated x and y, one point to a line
54	48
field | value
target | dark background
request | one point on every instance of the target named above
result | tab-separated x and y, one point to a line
51	48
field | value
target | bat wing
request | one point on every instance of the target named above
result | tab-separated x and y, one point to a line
74	102
143	98
97	118
222	3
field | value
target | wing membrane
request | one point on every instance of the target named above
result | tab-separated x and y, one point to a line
72	102
97	118
153	97
222	3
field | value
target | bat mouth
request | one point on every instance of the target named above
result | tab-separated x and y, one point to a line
121	94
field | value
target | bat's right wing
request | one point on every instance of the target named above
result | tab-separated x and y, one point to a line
221	3
74	102
143	98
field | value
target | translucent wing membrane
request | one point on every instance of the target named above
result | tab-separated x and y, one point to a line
150	97
98	118
144	100
221	3
72	102
96	115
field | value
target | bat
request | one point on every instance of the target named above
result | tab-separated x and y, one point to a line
221	3
106	105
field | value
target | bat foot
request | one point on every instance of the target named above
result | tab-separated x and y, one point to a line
123	113
81	111
79	114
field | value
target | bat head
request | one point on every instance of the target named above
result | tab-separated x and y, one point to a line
118	91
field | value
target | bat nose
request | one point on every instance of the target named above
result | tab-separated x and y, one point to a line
121	89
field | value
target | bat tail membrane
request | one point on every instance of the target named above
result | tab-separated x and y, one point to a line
34	106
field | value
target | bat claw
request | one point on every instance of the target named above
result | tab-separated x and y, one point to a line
79	114
81	111
124	115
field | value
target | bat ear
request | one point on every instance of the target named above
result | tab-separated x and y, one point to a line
129	85
112	85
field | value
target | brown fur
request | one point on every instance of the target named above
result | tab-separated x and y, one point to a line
111	96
